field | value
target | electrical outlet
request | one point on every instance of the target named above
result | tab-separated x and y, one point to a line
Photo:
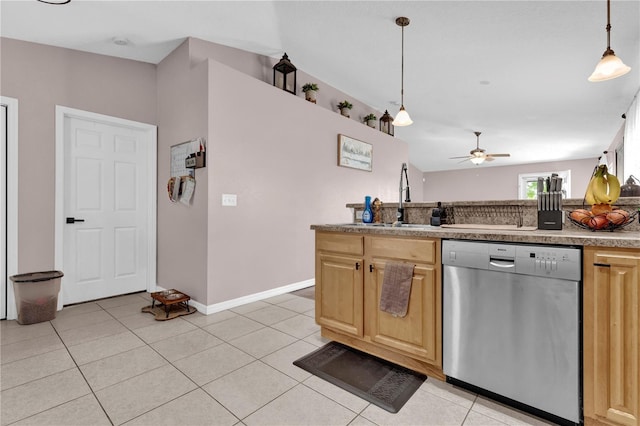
230	200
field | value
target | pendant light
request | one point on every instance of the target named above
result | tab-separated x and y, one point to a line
402	118
610	66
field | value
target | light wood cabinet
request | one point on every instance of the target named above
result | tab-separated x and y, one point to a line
339	283
611	311
349	275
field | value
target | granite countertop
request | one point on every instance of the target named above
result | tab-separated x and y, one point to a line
618	238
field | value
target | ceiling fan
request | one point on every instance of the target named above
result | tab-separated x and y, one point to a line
478	156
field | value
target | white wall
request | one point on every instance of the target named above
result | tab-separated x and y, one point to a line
499	183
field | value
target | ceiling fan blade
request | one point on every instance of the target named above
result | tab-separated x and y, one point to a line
456	158
466	159
488	158
498	155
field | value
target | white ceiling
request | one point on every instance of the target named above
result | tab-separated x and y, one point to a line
514	70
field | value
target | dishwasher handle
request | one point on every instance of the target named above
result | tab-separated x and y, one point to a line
502	263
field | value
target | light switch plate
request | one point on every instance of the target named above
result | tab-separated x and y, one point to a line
230	200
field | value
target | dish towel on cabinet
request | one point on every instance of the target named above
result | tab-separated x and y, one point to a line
396	288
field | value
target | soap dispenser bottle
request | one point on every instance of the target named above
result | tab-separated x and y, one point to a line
367	214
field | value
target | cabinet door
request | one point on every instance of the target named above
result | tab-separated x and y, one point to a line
339	297
418	334
611	335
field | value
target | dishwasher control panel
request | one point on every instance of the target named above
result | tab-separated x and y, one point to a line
549	261
539	260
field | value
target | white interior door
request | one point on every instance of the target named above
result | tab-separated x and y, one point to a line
108	197
9	203
3	211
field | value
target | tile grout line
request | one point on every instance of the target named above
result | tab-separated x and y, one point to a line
198	387
82	374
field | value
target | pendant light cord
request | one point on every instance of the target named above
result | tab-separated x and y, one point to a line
608	25
402	72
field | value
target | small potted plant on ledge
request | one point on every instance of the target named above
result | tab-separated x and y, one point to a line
370	119
310	91
344	107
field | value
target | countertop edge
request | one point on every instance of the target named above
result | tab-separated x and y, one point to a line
620	238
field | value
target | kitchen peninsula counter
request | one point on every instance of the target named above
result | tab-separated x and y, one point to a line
620	238
350	263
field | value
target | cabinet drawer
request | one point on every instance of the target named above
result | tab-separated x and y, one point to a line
398	248
340	243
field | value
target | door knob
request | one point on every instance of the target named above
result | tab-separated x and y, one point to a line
74	220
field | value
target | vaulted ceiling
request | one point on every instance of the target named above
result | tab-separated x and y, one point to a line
514	70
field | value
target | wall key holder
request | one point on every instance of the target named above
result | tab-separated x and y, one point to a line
195	160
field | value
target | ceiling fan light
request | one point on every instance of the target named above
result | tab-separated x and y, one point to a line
609	67
402	118
477	160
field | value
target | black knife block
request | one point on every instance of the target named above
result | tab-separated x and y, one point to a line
550	219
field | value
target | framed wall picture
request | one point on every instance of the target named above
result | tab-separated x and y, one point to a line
354	153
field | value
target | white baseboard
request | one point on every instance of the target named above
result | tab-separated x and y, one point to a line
228	304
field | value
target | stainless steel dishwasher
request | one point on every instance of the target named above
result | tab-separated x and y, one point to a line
511	324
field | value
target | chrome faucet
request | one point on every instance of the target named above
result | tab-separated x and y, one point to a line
400	214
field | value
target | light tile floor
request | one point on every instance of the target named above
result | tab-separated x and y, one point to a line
107	363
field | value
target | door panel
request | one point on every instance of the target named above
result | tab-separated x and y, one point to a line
125	187
417	332
125	251
611	335
88	246
339	304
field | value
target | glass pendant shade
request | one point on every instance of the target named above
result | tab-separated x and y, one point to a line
477	160
402	118
610	66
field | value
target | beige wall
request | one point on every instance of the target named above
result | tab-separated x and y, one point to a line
261	68
278	153
499	183
183	115
281	166
41	77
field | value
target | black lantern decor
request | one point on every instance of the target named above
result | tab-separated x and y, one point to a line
284	75
386	123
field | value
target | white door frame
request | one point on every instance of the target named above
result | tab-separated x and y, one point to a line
12	200
65	112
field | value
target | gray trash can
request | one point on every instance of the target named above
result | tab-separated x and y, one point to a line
36	295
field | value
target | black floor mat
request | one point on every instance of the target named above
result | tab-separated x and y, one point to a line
387	385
